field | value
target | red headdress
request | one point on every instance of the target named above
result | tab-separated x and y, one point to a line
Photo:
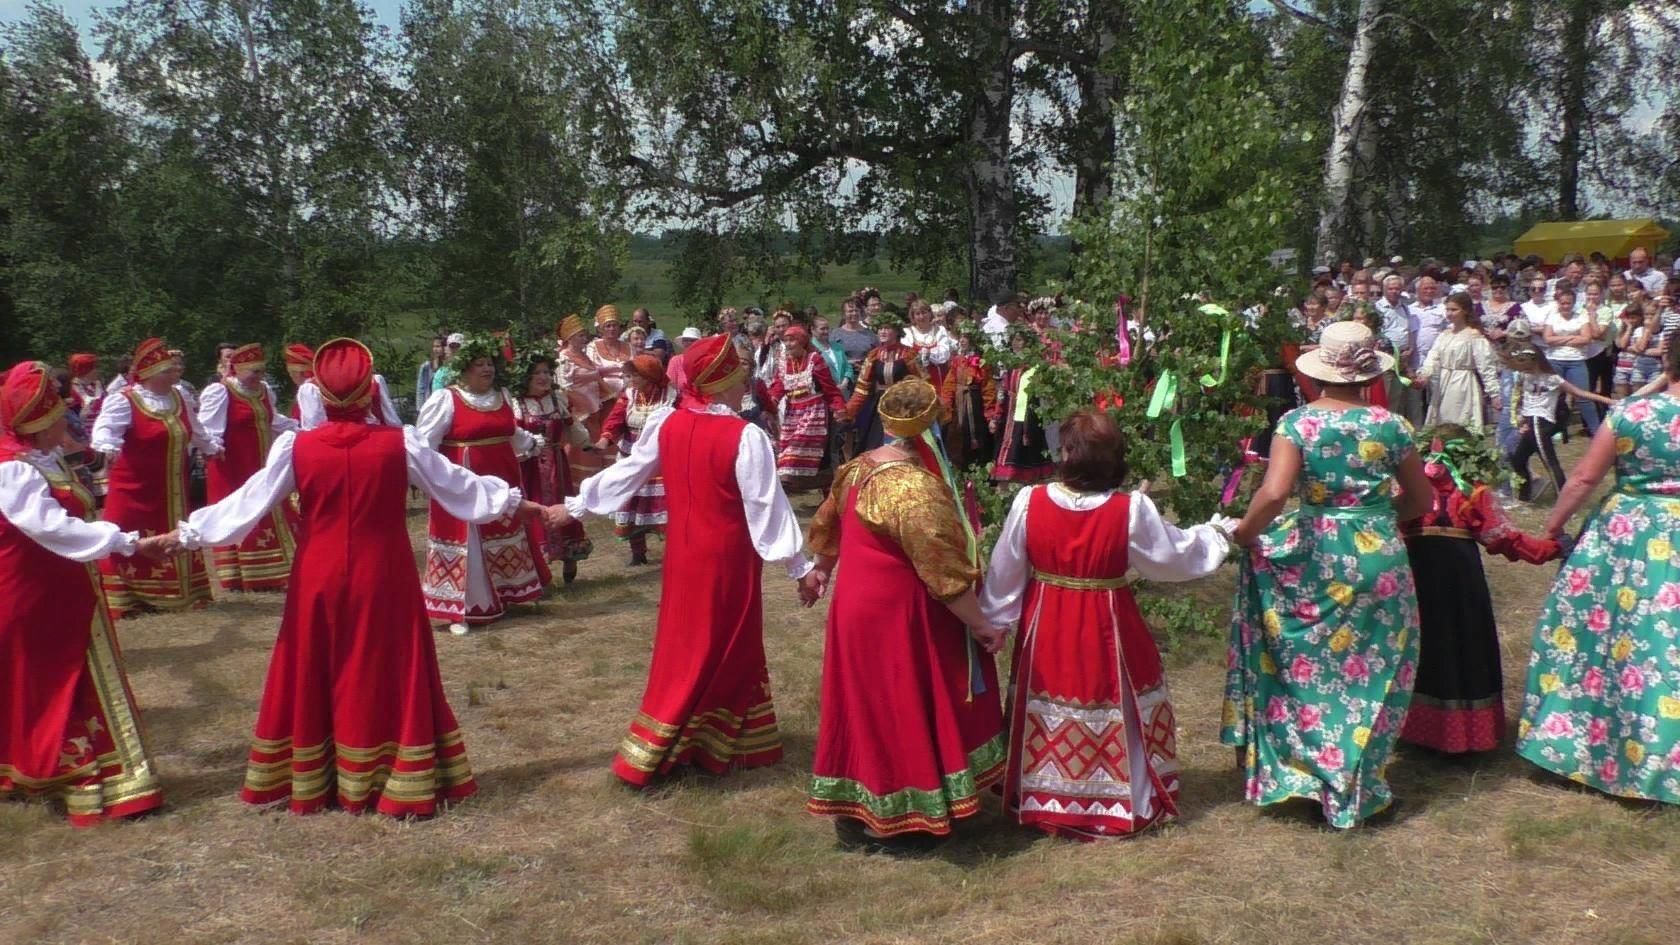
81	364
713	366
247	359
796	333
300	356
151	358
344	373
29	403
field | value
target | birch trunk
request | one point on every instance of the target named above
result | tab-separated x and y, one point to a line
1099	86
1339	163
1572	99
990	180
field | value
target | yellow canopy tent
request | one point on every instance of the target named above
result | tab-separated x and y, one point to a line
1614	238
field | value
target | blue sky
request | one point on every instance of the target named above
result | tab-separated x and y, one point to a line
81	12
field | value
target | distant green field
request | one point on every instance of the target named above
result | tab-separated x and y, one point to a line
648	282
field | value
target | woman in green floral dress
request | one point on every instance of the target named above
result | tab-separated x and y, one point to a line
1603	700
1324	635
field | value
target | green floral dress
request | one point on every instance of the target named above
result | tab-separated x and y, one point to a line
1324	640
1603	700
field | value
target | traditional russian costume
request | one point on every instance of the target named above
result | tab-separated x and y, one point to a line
1324	637
806	400
246	423
548	477
647	512
69	727
911	725
1023	453
474	570
1092	737
934	348
882	368
311	413
707	701
1602	706
1458	701
147	439
353	710
969	396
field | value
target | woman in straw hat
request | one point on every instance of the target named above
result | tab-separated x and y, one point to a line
911	723
708	694
1092	738
146	433
69	728
1324	638
354	711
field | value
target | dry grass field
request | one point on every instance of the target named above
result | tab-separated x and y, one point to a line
553	850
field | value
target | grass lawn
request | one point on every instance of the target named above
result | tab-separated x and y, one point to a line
554	850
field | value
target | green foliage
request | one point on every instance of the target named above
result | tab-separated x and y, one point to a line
1183	626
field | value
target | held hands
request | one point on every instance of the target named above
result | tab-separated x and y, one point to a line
555	516
991	639
158	547
812	587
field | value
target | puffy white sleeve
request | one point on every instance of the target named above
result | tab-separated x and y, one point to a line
1006	576
1487	367
525	443
230	520
213	410
462	492
436	417
1161	551
770	519
387	409
278	422
608	490
944	346
311	412
27	502
207	443
115	414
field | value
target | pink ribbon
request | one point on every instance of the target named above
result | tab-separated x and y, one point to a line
1123	343
1249	458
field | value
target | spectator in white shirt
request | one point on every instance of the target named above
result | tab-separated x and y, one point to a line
1429	319
1639	268
1538	309
1007	309
1573	271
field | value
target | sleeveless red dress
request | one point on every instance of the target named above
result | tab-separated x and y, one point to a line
1092	748
147	493
708	693
903	746
69	727
353	709
482	441
263	560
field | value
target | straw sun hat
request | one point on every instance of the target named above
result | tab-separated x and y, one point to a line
1346	354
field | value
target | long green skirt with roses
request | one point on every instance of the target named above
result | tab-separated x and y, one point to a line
1324	648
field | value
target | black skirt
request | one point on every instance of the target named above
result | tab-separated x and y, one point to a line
1458	702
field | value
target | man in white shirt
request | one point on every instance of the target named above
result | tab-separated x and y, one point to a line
1639	267
1397	318
1007	309
1573	271
1538	309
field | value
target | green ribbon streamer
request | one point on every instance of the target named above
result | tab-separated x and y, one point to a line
1441	457
1208	380
1021	400
1165	396
976	679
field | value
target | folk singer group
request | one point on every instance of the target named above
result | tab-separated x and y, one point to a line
1332	614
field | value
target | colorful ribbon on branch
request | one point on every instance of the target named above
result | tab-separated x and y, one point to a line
1438	454
1214	311
1164	398
1122	337
1021	399
1249	458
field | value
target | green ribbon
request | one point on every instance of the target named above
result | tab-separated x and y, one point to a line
976	679
1214	311
1165	396
1021	400
1452	467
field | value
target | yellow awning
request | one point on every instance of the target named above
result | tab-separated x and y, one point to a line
1614	238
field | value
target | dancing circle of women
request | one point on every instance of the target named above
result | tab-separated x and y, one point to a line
1361	617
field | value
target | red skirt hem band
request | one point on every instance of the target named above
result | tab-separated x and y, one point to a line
1454	731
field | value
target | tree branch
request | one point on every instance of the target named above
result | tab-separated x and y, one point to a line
1312	20
1066	53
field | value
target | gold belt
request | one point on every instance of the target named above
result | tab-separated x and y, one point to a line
1079	583
1433	531
487	441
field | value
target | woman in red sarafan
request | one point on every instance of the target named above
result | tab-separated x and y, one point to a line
911	725
145	432
806	401
1092	745
69	728
707	701
646	391
473	571
1458	701
353	710
239	411
542	411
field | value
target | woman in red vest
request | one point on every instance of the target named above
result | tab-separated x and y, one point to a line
1092	746
354	709
239	411
708	694
69	728
473	571
146	432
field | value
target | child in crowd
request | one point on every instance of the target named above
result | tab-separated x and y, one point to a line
1541	390
1458	703
1634	336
